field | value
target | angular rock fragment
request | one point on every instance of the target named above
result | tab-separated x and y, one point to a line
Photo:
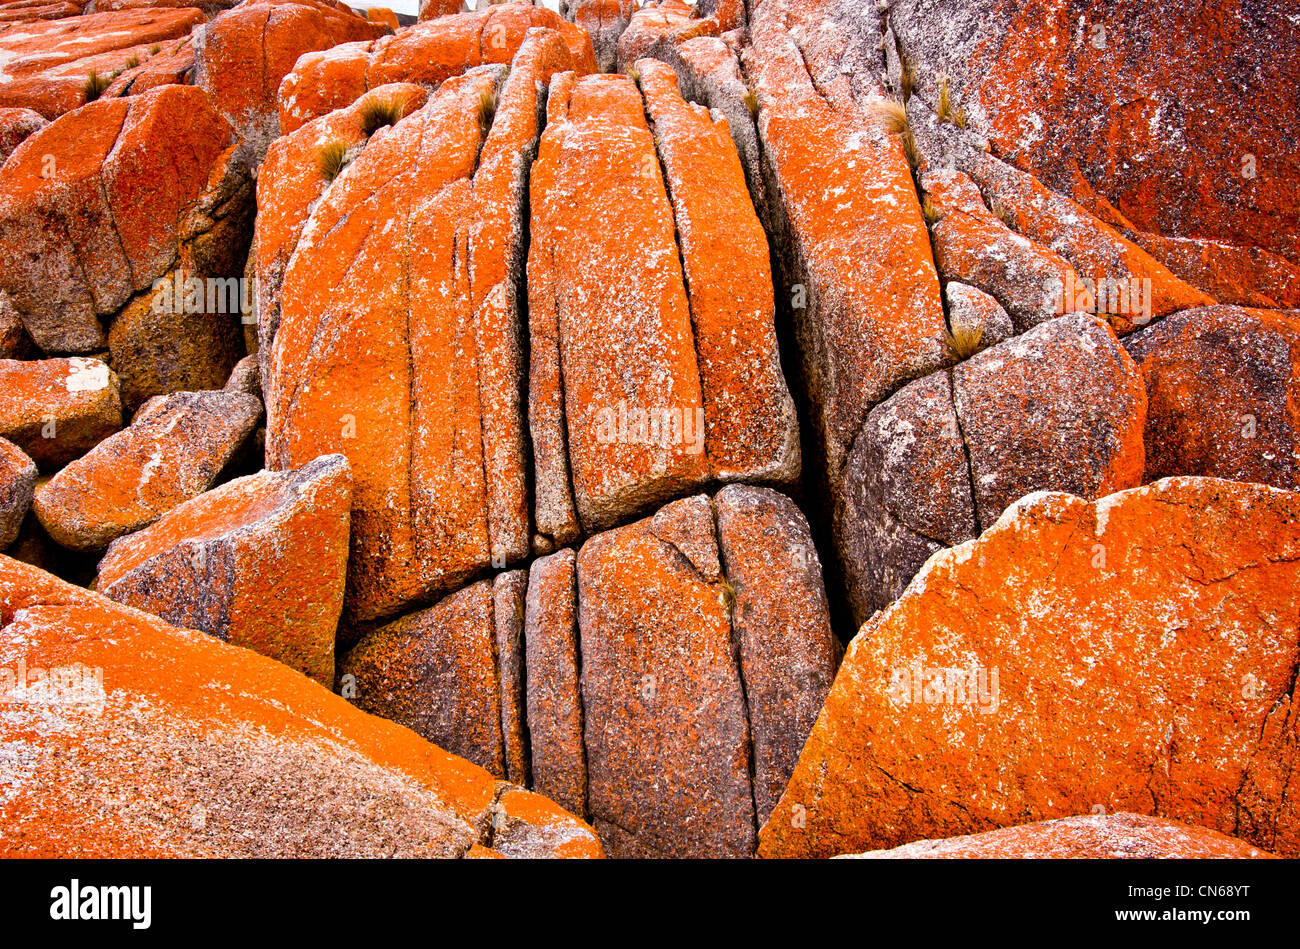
434	671
17	483
971	310
56	410
16	125
1136	653
1107	836
259	562
174	450
528	827
153	741
118	214
604	21
1223	394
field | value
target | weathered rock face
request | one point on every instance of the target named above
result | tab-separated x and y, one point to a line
17	483
93	216
158	741
56	410
1135	653
16	125
419	350
1039	82
682	646
657	27
241	57
48	62
604	21
1104	836
174	450
427	53
621	354
1223	391
1060	408
259	562
859	275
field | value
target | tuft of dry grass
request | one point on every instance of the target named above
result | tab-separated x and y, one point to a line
155	49
946	110
906	77
932	214
131	62
378	111
750	98
964	341
332	158
94	85
487	110
1003	213
892	117
634	74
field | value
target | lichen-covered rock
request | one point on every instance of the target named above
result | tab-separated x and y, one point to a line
554	705
427	54
48	62
145	740
16	125
174	450
971	310
662	695
615	406
973	246
1223	394
259	562
93	212
381	354
660	25
56	410
434	671
17	484
1059	408
781	622
604	21
509	604
1100	836
857	271
528	826
241	57
1039	80
1135	653
752	430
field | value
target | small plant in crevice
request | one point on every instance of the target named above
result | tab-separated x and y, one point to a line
906	78
750	98
1002	212
964	341
634	74
131	62
892	117
727	596
487	110
155	49
378	111
94	85
946	111
931	214
332	159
